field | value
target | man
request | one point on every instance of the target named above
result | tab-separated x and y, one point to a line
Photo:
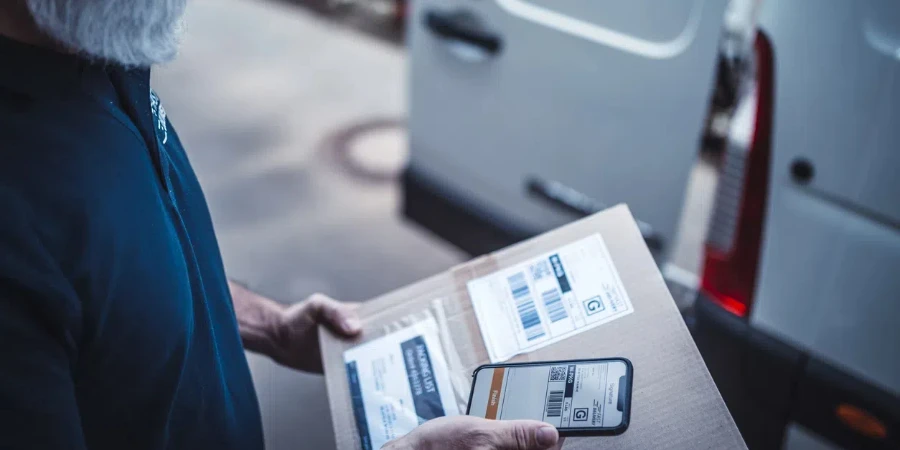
118	328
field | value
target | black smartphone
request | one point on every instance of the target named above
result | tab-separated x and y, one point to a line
584	397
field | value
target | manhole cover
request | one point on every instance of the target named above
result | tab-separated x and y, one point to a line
375	150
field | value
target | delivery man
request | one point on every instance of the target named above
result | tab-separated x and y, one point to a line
118	327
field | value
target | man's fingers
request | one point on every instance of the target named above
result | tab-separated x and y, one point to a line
339	317
523	435
467	432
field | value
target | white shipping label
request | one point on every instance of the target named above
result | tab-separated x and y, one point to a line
577	394
397	382
549	298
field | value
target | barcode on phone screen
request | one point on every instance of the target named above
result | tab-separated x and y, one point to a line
528	313
558	373
553	302
554	403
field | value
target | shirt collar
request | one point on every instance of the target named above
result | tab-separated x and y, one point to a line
39	72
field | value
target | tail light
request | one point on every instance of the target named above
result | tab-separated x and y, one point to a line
736	227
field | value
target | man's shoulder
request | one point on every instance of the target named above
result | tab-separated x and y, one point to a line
65	146
56	126
71	164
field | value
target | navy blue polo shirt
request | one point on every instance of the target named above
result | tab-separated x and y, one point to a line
117	329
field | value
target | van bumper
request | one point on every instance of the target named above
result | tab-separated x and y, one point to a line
768	384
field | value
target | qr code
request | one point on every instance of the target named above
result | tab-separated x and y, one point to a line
558	373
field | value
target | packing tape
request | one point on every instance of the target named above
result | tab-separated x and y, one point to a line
475	349
458	376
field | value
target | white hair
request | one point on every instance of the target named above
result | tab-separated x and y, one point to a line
134	33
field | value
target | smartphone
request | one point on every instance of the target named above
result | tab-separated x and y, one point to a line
585	397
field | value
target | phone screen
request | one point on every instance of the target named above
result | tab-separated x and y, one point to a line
584	396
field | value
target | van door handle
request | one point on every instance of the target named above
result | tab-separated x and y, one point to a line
461	26
579	204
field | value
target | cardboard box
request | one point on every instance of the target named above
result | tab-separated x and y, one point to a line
675	403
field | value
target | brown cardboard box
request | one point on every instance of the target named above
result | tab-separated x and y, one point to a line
675	403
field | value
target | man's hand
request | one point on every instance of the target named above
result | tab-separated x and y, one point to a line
289	334
297	334
467	432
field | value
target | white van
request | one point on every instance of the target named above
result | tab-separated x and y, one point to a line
525	114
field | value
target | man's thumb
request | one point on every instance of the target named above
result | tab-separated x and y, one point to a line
338	316
524	435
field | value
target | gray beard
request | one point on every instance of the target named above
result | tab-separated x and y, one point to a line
134	33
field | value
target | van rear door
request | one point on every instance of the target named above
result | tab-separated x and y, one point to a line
829	278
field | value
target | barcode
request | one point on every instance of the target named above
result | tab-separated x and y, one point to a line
554	304
540	270
558	373
528	314
554	403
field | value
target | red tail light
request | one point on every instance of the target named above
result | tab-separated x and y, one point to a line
735	234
